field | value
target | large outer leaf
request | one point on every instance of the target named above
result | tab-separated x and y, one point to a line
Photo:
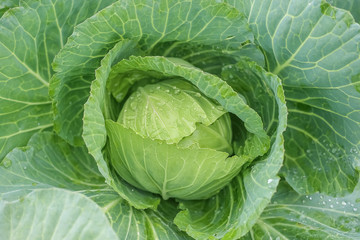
316	216
150	22
48	161
314	48
66	217
231	213
30	36
34	175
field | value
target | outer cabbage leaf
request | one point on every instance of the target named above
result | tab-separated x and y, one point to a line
315	216
314	49
30	36
148	22
48	162
231	213
27	218
65	181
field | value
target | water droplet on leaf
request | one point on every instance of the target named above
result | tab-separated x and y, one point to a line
133	105
7	163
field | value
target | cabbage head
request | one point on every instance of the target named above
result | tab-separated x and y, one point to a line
171	140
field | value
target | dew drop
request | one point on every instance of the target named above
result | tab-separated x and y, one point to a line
25	168
177	92
331	206
343	203
355	209
220	108
7	163
161	103
133	105
356	164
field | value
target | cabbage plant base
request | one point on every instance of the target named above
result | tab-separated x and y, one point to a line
241	54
